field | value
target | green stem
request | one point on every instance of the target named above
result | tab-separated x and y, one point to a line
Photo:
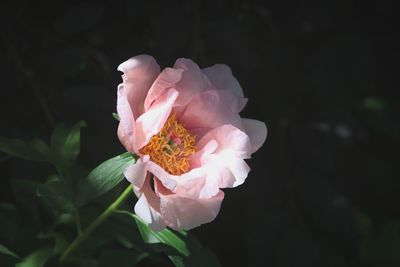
100	219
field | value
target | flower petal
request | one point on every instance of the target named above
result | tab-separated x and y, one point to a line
237	167
148	207
140	64
257	131
211	109
167	79
139	74
221	77
223	171
216	171
207	149
136	173
184	213
229	138
152	121
225	166
126	127
167	179
187	185
193	81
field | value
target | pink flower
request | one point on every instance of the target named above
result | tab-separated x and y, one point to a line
184	125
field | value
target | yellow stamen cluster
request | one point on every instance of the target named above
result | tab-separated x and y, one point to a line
171	147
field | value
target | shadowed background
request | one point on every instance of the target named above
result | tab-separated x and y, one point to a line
323	190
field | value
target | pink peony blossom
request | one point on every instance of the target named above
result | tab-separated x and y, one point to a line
184	125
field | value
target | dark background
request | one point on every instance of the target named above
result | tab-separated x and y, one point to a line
323	76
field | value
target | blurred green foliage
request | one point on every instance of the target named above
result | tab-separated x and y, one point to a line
48	215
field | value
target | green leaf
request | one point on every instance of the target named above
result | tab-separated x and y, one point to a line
190	251
66	140
36	259
34	151
65	147
104	177
6	251
115	116
177	261
41	147
165	236
56	195
119	227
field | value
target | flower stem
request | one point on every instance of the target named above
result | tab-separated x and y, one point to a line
100	219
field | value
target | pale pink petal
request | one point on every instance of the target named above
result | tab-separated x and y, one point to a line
218	176
225	166
221	77
238	168
169	180
185	213
186	185
208	184
148	214
148	207
125	139
193	81
211	109
215	169
223	171
192	185
167	79
141	64
229	138
152	121
139	74
207	149
126	127
257	131
136	173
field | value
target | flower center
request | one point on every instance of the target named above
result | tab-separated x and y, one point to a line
171	147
